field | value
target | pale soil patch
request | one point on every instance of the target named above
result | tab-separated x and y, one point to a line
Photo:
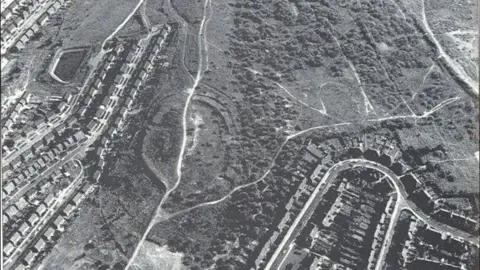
154	257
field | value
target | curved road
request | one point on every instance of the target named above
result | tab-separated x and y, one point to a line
401	204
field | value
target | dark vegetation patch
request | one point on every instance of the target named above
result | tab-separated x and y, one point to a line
69	63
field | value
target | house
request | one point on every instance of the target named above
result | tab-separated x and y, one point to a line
105	100
111	132
93	123
118	121
59	221
93	92
49	233
79	136
87	101
142	75
38	123
24	228
56	5
60	128
43	19
9	28
37	146
77	199
125	68
9	188
8	249
151	58
33	219
11	211
7	13
24	39
62	106
35	28
51	11
68	210
29	33
128	102
17	21
147	66
100	113
98	83
24	14
71	120
8	123
16	238
138	83
31	195
39	246
48	138
16	162
41	209
118	79
49	200
41	163
82	110
129	57
29	258
123	112
100	151
133	92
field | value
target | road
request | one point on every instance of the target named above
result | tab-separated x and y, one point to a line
25	26
401	204
460	72
32	182
60	200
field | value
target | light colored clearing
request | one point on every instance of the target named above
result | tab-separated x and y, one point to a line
382	46
294	9
155	257
477	155
197	121
323	110
456	68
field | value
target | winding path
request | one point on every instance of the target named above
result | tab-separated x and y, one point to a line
159	213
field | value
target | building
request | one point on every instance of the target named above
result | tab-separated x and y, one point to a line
16	238
39	246
11	211
24	228
59	221
43	19
17	21
9	188
77	199
49	233
79	136
15	163
41	209
33	219
48	138
68	210
29	258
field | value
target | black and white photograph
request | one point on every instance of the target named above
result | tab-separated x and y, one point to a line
240	135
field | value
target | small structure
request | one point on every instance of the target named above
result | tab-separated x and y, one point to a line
49	233
59	221
39	246
33	219
29	258
24	228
